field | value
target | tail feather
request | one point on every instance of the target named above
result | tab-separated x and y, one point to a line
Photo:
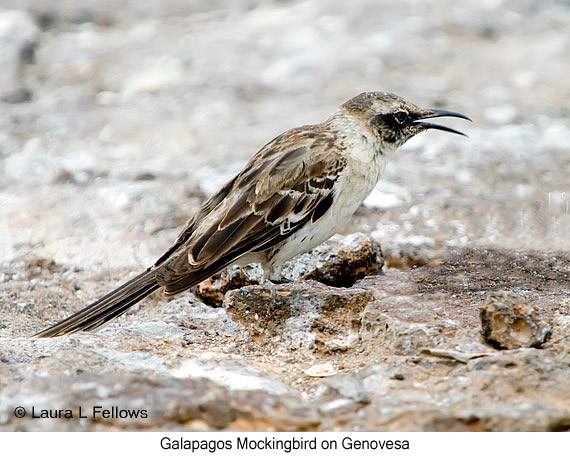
110	306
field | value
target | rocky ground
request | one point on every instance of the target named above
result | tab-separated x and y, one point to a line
451	309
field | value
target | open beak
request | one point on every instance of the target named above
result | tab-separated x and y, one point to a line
440	113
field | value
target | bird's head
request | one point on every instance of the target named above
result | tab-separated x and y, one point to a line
395	120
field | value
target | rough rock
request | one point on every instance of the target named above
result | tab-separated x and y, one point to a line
561	322
396	351
464	398
402	337
304	314
408	256
338	262
509	321
213	290
103	402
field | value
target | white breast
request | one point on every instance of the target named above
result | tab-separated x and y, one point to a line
354	185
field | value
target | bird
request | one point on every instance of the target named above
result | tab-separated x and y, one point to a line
297	191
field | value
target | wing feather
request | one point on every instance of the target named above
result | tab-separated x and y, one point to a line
287	184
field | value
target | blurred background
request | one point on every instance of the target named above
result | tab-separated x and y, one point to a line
119	117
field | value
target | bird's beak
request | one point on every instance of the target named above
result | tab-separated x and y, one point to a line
440	113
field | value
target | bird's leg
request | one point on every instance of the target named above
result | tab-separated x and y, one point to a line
274	274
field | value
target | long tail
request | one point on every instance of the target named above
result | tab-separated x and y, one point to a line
110	306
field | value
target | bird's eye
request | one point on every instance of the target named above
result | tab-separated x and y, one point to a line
401	116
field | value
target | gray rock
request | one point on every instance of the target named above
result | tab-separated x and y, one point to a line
305	314
338	262
95	402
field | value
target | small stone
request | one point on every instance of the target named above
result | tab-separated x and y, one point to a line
212	291
321	370
344	386
510	322
408	256
64	176
342	344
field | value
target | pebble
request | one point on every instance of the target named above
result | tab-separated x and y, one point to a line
509	321
321	370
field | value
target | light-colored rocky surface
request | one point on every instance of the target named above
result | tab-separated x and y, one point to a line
120	117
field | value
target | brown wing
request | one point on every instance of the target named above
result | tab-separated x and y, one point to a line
206	209
286	185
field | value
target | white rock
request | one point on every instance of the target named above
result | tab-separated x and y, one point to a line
321	370
234	375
